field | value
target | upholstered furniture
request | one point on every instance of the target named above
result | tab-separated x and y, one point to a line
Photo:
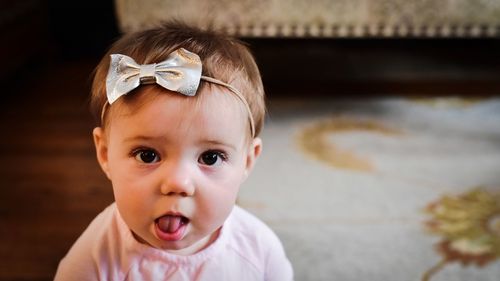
322	18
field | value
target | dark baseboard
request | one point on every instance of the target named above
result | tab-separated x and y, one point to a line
379	66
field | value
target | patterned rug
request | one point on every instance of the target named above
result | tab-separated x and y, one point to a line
382	189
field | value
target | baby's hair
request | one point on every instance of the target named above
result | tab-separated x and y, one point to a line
223	57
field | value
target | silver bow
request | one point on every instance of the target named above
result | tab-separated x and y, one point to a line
180	72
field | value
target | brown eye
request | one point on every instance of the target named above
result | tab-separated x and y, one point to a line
147	156
212	157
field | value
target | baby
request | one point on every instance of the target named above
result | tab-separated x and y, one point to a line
180	112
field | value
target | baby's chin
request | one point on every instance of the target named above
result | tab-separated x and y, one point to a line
183	247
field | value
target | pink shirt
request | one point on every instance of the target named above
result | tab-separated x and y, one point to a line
246	249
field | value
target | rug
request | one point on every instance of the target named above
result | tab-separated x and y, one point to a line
382	189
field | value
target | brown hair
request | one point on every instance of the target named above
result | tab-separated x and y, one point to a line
223	57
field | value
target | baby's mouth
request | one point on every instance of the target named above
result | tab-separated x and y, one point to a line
171	223
171	227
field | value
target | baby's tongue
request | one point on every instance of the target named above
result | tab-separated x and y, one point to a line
169	224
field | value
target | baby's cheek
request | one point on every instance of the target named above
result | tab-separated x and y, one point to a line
220	204
129	194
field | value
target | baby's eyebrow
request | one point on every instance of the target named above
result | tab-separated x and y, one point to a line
161	138
217	143
144	138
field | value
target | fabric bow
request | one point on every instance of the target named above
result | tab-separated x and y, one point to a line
180	72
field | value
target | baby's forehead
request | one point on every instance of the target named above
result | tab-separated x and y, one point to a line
212	107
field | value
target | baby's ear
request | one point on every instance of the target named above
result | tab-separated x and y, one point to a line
252	155
101	147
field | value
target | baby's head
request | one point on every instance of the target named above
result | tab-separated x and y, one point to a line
176	162
223	57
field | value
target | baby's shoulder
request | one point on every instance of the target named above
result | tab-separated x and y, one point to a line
256	243
104	229
96	250
242	220
250	236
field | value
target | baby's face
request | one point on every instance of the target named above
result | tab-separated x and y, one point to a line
176	167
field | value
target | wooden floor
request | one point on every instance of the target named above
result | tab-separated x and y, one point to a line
50	184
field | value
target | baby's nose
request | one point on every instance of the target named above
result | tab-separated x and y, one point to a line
177	180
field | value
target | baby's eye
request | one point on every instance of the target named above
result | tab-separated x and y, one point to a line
146	156
212	157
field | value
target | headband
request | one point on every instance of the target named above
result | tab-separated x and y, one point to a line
180	72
